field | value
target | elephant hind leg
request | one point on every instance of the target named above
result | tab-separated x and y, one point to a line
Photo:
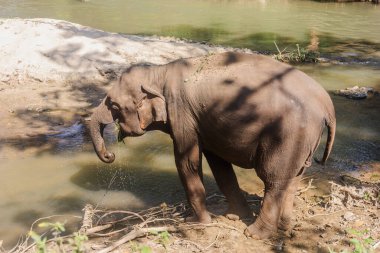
279	168
267	222
287	205
227	182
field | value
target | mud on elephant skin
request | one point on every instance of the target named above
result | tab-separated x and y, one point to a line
234	108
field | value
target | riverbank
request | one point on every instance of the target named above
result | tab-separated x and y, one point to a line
54	72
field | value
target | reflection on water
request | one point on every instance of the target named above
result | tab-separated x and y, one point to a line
243	23
70	138
335	77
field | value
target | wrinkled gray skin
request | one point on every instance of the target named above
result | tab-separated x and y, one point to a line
242	109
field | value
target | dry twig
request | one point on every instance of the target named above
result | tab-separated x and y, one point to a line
135	233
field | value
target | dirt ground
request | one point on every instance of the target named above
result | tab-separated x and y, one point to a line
326	219
333	211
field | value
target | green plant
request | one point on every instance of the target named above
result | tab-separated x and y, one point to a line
145	249
298	55
140	248
55	228
361	241
78	242
164	238
39	240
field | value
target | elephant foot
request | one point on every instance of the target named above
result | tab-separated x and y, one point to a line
206	218
284	223
259	230
243	212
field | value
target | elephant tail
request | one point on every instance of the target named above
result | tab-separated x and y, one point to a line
331	127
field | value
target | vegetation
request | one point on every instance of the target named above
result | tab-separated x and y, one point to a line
74	243
298	55
360	240
162	238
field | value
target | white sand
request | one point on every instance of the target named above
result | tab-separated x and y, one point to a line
45	50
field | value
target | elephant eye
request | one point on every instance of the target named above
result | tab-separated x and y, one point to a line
115	107
140	103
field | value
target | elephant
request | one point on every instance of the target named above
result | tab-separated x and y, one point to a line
241	109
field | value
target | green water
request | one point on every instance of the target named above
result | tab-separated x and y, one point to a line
253	24
62	180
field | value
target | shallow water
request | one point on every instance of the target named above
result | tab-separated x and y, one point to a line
216	20
62	179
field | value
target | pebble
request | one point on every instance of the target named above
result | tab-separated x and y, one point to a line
349	216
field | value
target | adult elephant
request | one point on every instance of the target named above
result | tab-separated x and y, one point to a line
242	109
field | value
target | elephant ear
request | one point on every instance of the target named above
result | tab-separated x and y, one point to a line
103	112
152	108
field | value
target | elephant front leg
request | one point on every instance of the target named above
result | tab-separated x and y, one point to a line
188	162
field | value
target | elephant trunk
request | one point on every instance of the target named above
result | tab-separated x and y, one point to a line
96	131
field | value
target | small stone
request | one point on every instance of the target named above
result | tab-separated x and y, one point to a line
279	246
233	217
349	216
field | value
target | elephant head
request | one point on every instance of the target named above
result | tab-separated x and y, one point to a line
135	102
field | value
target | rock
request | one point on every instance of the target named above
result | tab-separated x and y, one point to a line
279	246
356	92
349	216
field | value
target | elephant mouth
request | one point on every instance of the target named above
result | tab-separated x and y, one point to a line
121	135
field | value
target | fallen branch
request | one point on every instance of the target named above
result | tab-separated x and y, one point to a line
96	229
216	239
120	212
88	213
135	233
199	247
309	186
219	225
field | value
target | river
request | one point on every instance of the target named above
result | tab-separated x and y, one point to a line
63	180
